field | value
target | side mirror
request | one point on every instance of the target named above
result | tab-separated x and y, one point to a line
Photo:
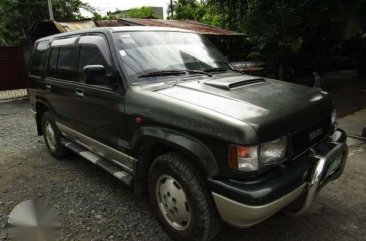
96	75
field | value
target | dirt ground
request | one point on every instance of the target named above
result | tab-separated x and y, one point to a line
93	205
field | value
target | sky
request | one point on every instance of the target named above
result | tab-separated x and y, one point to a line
111	5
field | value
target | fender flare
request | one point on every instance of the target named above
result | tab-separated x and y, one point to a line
181	142
37	115
44	102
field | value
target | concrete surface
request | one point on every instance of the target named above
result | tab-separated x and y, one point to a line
353	124
13	94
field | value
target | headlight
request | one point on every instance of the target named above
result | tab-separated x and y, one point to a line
334	117
243	158
273	151
251	158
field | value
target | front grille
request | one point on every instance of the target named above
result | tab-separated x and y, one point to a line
302	140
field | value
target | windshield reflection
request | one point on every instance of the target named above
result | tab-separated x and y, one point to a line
151	51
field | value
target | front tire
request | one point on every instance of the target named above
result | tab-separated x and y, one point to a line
181	199
52	136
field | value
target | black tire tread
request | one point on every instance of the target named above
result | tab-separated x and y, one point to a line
61	151
189	171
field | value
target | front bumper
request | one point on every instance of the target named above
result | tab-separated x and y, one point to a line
323	163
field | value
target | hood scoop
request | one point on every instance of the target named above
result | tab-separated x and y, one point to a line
229	84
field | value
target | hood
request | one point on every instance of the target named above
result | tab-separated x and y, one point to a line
269	106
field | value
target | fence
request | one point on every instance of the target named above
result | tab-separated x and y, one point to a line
12	73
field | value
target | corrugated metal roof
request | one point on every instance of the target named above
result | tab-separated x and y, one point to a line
184	24
47	28
74	25
108	23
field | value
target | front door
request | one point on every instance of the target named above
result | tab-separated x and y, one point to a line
100	106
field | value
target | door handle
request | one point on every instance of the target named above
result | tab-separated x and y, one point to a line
79	93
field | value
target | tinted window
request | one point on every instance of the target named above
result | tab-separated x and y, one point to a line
39	59
66	63
93	51
52	64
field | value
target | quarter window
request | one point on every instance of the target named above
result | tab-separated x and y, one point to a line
66	63
62	63
52	64
39	59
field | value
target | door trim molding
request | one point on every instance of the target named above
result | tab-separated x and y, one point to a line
119	158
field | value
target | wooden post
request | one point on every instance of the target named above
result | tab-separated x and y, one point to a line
171	9
50	9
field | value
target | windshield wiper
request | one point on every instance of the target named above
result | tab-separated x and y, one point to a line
220	69
173	72
162	73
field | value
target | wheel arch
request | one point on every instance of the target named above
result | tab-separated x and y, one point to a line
150	142
41	106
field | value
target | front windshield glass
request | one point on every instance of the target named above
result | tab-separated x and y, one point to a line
147	52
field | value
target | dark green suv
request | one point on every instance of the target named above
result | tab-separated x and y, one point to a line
163	111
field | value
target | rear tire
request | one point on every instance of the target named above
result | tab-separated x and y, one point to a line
52	136
180	198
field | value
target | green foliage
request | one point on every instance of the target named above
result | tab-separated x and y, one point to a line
143	12
187	9
276	29
70	9
210	15
280	30
195	10
171	8
17	17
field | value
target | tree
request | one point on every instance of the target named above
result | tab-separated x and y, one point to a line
277	30
194	10
17	17
171	9
143	12
231	12
187	9
283	31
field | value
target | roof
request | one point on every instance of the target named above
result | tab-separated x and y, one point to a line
147	28
184	24
113	29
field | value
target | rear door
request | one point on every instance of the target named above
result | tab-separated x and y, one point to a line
60	79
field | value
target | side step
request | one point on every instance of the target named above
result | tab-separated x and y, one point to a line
116	171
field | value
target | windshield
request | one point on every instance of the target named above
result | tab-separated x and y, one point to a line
143	53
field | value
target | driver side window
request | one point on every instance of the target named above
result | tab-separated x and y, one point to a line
93	51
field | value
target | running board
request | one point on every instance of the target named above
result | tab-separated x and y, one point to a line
116	171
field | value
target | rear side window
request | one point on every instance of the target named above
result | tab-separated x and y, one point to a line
39	60
62	63
66	63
